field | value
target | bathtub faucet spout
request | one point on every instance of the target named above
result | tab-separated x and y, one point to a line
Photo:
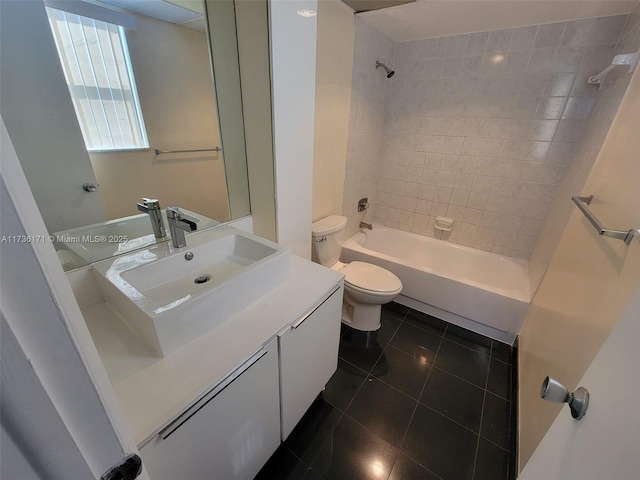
368	226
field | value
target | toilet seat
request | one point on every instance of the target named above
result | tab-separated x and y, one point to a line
368	278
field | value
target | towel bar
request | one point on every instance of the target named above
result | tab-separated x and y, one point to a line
626	236
162	152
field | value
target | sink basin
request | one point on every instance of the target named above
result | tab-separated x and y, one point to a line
106	239
169	296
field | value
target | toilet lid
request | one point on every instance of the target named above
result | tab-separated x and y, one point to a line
371	277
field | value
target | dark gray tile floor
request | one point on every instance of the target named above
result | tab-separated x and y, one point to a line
425	400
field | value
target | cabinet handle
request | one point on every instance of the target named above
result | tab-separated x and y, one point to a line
217	389
301	320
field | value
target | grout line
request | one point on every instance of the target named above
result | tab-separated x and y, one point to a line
294	454
501	361
415	408
342	412
423	466
366	375
430	407
464	380
372	432
400	391
495	444
470	348
399	450
417	322
329	435
354	366
448	418
422	390
475	460
369	375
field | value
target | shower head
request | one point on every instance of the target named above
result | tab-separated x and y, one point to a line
390	73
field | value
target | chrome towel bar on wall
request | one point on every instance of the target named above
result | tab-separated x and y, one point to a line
625	235
162	152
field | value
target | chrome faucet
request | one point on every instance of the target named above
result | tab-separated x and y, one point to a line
151	206
178	224
368	226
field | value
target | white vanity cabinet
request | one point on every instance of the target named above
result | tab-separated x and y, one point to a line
308	357
229	433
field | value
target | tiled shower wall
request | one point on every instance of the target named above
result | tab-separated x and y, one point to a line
606	101
366	122
482	128
506	134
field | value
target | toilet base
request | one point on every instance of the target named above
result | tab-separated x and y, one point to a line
360	316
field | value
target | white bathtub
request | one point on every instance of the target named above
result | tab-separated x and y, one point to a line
480	291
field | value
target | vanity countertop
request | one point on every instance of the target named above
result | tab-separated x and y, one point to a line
152	391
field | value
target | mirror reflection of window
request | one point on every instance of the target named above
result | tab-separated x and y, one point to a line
97	68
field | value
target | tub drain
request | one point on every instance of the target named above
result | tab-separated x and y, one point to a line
202	279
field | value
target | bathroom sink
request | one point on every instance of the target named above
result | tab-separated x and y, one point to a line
106	239
170	296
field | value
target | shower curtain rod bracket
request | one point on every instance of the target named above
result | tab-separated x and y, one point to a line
626	59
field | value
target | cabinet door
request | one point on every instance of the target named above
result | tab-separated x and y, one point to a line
228	434
308	358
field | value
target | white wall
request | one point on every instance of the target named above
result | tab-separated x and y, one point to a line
582	154
293	64
173	77
14	464
369	89
590	279
252	22
606	441
42	314
334	66
42	124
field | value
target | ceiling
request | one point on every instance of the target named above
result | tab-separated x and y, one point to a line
437	18
366	5
186	13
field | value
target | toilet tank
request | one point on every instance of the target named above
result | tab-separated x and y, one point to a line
328	237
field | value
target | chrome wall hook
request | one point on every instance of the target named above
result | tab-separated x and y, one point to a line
554	391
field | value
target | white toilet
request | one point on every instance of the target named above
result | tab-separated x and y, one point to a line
366	286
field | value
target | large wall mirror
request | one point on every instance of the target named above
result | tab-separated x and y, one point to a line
172	130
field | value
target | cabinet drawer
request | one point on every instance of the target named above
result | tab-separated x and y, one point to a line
229	434
308	358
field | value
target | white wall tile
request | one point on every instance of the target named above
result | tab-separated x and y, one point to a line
451	67
459	197
560	152
522	38
476	43
607	30
559	84
456	46
551	108
436	47
498	41
549	35
472	215
459	132
577	32
543	130
477	200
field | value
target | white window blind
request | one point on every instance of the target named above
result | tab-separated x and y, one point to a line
95	60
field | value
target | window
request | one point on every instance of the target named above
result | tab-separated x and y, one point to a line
95	60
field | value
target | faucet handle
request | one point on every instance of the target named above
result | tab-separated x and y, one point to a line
151	202
174	212
181	220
